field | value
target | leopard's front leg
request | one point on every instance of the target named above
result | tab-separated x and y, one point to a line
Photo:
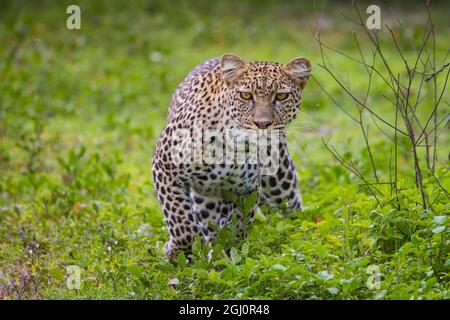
282	187
218	211
178	211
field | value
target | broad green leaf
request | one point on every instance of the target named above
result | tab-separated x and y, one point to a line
438	229
235	257
279	267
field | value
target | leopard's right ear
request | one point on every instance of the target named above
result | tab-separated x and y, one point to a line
232	67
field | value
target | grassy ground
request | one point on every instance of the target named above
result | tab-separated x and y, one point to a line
80	112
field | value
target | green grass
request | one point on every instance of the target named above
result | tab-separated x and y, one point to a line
80	112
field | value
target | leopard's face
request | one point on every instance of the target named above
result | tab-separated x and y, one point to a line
264	95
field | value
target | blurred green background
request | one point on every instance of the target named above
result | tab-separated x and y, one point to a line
80	112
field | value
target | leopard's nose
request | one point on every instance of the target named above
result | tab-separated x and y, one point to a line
262	124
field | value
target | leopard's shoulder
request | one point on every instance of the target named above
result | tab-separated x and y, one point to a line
201	80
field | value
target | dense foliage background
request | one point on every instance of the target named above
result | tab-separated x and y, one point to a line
80	112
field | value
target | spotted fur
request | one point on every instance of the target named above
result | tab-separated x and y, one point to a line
194	194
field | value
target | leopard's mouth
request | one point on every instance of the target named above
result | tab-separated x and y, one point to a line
253	129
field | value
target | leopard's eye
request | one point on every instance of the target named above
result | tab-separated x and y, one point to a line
281	96
245	95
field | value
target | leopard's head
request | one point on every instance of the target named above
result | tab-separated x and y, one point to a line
264	95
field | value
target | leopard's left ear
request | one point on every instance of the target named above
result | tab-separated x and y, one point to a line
299	70
232	67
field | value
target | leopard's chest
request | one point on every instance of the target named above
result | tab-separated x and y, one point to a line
218	179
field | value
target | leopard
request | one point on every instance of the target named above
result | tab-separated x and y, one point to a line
230	97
